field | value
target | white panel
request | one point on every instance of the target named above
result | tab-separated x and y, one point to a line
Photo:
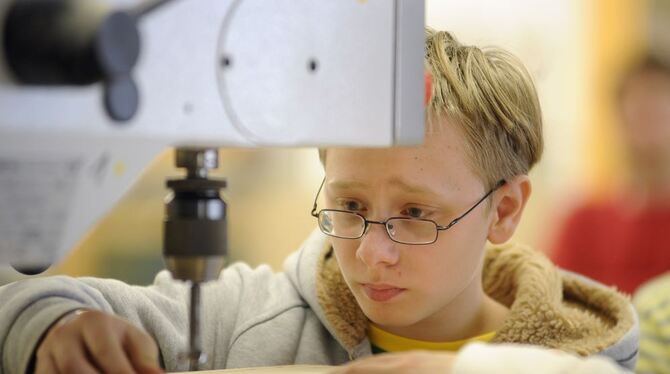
273	97
63	163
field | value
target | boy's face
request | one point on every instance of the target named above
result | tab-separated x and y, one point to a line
399	285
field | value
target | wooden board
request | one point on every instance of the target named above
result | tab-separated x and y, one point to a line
297	369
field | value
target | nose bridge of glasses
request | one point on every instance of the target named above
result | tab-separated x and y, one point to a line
369	223
387	226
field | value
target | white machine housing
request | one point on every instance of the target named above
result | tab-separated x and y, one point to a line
244	73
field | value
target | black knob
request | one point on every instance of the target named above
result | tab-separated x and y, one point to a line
117	44
31	270
74	42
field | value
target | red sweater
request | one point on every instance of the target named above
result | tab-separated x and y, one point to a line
616	247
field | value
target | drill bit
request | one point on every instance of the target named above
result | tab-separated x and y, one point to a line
195	355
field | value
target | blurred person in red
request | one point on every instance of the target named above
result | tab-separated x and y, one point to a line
625	241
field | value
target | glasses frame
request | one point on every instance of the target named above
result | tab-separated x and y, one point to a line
367	222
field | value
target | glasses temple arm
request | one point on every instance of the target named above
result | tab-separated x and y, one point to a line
455	221
317	197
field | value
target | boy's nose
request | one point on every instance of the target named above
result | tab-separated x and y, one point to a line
376	248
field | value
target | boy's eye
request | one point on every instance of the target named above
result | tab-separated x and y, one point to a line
413	212
351	205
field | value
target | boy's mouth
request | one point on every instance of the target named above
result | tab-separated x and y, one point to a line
381	292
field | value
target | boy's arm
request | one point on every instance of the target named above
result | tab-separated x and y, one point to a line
29	308
240	296
513	358
483	358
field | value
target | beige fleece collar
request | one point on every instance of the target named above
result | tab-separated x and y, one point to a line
547	307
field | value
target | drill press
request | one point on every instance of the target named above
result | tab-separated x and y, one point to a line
129	84
194	235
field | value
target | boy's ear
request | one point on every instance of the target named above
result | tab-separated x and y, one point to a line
508	203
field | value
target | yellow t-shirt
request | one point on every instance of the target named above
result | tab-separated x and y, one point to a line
383	341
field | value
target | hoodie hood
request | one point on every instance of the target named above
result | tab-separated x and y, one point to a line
547	306
316	275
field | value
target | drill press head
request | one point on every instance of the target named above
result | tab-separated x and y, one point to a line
195	235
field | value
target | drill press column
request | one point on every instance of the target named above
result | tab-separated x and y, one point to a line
195	236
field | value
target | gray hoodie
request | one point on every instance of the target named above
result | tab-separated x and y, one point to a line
307	315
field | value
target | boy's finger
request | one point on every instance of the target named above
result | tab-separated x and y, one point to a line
142	351
72	358
106	350
45	365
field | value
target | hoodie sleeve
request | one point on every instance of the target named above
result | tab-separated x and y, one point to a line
28	308
522	359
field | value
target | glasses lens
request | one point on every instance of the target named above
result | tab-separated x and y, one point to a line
412	231
341	224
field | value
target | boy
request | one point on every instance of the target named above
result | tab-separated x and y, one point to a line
402	266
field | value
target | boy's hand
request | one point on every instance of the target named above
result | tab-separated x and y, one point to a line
95	342
405	362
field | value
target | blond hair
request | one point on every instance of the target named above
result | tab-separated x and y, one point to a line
490	97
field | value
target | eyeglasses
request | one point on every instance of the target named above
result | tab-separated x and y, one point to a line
415	231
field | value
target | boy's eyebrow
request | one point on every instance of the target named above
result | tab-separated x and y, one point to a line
345	184
412	188
396	182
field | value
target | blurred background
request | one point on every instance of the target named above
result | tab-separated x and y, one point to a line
576	51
